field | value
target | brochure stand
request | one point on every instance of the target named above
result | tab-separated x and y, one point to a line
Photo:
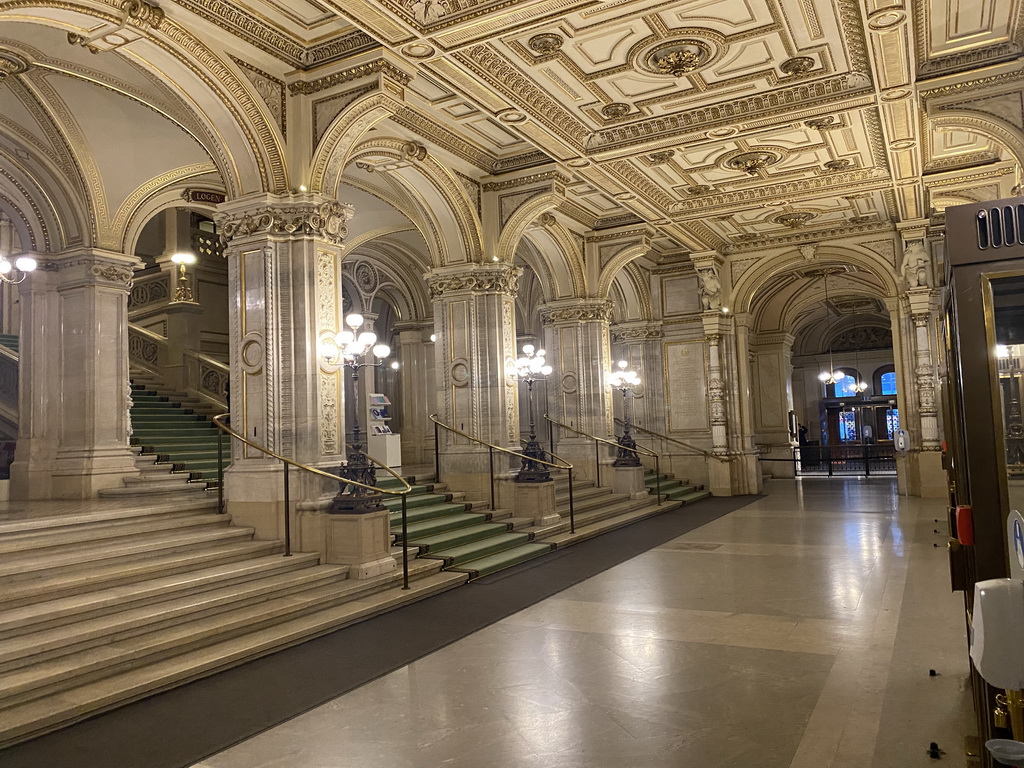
381	442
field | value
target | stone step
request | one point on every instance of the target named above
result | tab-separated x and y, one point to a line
17	569
159	479
431	512
41	542
43	714
505	559
58	584
460	555
460	536
434	526
140	491
83	519
39	616
50	645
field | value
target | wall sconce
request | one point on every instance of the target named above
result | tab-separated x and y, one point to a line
20	269
183	293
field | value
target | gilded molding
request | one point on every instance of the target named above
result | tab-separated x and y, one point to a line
11	64
524	181
270	89
325	221
379	66
499	278
814	93
625	335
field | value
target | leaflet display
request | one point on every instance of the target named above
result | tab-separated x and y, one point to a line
381	442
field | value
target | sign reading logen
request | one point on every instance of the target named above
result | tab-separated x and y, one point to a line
207	196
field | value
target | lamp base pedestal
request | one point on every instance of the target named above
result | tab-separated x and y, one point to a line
537	501
629	480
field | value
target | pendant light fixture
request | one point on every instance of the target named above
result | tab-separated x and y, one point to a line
831	376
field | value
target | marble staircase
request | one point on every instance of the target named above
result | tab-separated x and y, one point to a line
110	605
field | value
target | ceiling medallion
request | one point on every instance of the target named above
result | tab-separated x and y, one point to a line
793	219
698	189
624	196
548	42
659	158
896	94
617	109
902	144
826	123
677	58
887	19
799	65
834	166
418	50
578	162
722	133
751	162
511	116
11	64
662	222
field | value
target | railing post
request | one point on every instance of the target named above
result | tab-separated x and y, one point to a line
220	471
551	435
867	461
657	477
287	515
597	463
829	451
490	461
572	506
405	541
437	456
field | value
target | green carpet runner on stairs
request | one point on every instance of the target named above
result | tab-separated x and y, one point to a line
10	341
176	434
673	489
467	541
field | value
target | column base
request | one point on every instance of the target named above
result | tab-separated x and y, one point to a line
629	480
83	473
739	477
537	500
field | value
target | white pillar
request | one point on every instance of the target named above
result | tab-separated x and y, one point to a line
474	316
577	334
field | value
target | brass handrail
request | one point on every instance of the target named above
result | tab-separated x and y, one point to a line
700	451
640	450
491	448
401	492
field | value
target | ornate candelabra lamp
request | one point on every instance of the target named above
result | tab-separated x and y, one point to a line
352	349
183	292
530	368
625	381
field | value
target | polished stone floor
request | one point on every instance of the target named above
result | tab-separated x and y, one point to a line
797	631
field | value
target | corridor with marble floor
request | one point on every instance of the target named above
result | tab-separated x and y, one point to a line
796	631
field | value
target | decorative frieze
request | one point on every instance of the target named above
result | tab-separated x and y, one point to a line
324	220
485	278
626	334
577	312
137	17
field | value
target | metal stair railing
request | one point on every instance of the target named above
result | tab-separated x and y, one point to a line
638	450
491	448
402	492
697	450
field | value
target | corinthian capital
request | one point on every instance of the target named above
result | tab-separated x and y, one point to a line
475	278
284	216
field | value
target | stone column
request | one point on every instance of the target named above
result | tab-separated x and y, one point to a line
75	336
639	344
577	333
773	399
39	385
474	320
418	400
926	476
284	258
745	467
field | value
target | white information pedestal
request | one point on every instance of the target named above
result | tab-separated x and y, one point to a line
381	443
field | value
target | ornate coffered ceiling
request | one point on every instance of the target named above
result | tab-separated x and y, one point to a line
726	125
